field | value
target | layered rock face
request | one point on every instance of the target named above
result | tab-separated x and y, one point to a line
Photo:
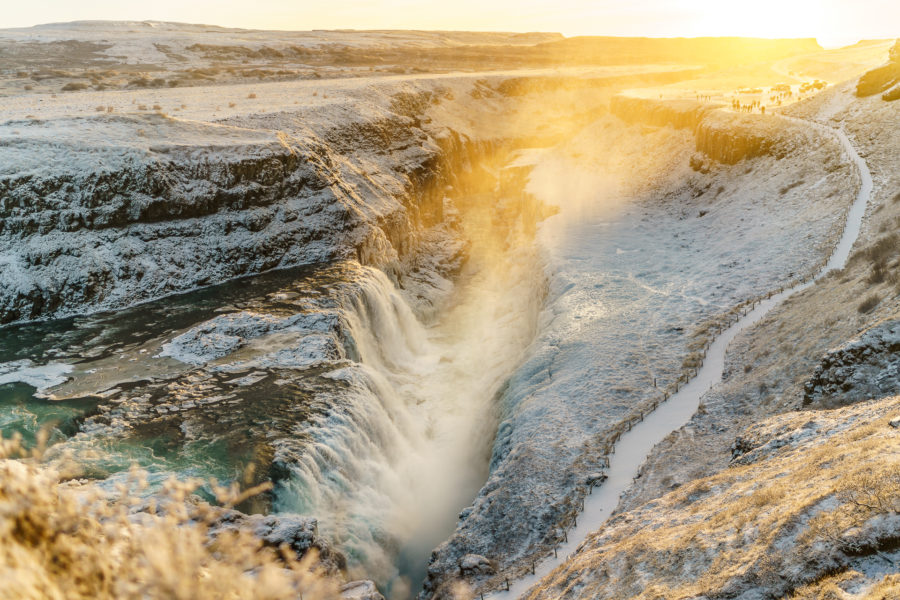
102	212
101	223
867	366
724	137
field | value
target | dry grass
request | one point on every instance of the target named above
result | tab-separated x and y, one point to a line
869	304
795	506
831	588
69	541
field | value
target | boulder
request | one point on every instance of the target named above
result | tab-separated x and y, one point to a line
360	590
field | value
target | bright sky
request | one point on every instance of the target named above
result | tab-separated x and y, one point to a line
833	22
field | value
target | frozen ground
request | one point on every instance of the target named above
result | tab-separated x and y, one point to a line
783	517
634	447
770	366
643	256
828	345
106	55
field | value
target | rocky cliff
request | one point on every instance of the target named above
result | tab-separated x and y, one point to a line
100	212
725	137
884	80
153	205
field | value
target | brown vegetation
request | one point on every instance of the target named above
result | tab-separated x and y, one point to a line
807	494
869	304
73	541
882	78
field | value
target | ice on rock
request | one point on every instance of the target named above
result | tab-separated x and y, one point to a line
41	377
360	590
225	334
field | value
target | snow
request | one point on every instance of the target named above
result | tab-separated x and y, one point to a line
635	445
136	41
360	590
841	253
864	367
225	334
641	252
769	510
38	376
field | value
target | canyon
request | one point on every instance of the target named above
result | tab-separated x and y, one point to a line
424	311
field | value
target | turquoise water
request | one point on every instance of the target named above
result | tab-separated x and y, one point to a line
220	444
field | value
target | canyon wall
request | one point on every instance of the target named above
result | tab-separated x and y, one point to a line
105	211
725	137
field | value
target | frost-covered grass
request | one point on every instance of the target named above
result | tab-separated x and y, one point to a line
807	495
768	366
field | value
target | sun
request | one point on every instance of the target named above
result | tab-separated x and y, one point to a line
760	18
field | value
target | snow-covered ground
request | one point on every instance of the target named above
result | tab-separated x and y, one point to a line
156	41
643	255
781	518
830	344
634	447
772	367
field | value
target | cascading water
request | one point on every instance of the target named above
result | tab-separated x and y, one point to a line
409	447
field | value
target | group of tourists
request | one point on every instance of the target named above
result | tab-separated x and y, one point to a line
739	106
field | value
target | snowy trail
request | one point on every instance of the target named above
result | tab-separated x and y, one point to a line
633	447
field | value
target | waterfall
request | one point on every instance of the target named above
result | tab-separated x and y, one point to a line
405	441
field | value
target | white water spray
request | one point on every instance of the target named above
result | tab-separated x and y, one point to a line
407	445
